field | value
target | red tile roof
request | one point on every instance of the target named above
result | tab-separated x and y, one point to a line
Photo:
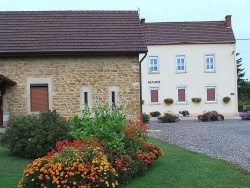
188	33
70	31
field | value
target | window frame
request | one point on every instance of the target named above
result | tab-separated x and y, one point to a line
205	63
149	65
85	90
180	57
38	81
32	87
114	95
177	95
215	94
154	88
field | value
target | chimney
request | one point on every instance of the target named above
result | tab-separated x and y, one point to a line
143	24
228	21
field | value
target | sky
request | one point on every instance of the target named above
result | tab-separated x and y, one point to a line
160	11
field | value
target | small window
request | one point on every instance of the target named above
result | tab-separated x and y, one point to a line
154	95
180	63
211	94
39	98
209	63
113	97
182	94
85	98
153	64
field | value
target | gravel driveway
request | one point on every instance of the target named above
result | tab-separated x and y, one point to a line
228	139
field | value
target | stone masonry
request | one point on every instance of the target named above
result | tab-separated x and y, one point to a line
68	75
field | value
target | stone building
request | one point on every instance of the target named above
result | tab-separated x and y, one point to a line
60	60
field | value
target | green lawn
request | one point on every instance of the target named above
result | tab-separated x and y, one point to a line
178	168
11	169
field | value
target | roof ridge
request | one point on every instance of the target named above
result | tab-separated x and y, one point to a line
184	22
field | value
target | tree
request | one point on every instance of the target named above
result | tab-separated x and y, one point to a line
240	73
243	85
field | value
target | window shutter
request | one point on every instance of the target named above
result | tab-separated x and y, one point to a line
154	95
210	94
181	95
39	98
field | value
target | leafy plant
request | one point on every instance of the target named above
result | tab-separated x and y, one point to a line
33	136
211	116
168	101
155	114
196	99
108	151
145	118
226	99
184	113
168	118
142	101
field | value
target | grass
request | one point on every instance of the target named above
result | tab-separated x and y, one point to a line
178	168
11	168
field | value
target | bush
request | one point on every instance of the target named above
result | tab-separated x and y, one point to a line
155	114
168	118
211	116
33	136
185	113
107	151
145	118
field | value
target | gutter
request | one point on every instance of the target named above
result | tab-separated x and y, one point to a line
141	115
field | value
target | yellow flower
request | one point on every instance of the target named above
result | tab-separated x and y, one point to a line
107	183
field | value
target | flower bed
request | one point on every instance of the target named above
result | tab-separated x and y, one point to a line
102	159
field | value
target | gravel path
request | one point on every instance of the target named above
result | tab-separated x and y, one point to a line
228	140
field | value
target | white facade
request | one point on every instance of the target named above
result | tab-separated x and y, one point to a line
185	71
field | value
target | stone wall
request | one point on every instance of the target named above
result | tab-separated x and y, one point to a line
68	75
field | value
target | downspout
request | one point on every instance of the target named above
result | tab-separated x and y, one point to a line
141	115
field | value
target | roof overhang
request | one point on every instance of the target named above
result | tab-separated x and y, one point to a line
4	81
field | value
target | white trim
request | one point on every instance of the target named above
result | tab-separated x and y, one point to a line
216	94
159	99
88	90
116	90
31	81
205	63
186	95
180	57
153	57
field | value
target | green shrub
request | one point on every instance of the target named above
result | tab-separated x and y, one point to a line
108	151
145	118
155	114
35	135
168	118
109	124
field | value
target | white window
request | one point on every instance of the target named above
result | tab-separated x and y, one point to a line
153	64
209	63
85	96
182	95
154	95
211	93
39	94
114	95
180	63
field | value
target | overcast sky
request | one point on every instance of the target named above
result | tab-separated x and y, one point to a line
160	11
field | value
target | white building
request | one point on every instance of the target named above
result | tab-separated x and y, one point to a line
188	60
